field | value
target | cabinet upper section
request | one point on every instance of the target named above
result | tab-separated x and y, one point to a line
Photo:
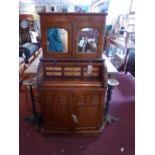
72	35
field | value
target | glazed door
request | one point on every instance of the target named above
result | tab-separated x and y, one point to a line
56	110
87	110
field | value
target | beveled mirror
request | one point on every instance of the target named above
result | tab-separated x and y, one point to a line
57	40
87	40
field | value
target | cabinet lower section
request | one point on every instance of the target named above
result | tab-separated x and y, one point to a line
72	110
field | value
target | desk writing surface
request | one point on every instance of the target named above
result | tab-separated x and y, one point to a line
32	69
110	67
21	60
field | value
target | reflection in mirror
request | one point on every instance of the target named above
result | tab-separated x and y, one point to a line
87	40
57	40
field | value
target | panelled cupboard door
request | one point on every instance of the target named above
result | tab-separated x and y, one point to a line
72	111
56	110
87	110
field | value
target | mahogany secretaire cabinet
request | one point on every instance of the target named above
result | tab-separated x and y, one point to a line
72	76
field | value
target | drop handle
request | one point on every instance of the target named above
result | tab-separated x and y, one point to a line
89	69
74	117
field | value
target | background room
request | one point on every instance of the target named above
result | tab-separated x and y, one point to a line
117	37
117	48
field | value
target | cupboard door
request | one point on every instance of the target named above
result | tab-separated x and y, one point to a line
55	110
57	36
88	110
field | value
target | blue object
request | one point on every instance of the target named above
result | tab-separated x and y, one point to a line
110	51
27	50
107	29
54	40
31	47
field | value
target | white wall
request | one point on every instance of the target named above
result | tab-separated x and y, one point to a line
29	8
117	7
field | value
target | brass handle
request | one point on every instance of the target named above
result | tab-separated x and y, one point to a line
74	117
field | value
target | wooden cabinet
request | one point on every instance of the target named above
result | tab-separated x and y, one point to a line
76	26
72	81
72	110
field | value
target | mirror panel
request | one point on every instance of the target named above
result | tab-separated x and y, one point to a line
87	40
57	40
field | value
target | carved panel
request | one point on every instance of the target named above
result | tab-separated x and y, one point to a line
95	99
81	100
